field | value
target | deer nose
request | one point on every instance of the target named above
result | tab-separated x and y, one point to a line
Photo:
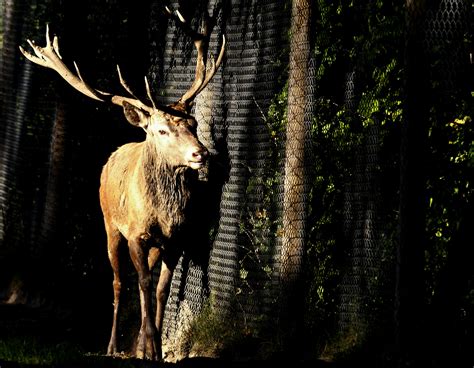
197	157
200	154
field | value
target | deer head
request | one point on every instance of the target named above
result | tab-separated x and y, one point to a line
171	128
173	135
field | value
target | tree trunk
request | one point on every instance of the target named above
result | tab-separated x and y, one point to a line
295	188
10	129
54	184
410	253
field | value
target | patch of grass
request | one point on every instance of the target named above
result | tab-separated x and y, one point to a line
29	350
217	334
210	333
343	345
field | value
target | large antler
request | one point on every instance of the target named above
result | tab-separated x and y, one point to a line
49	57
201	42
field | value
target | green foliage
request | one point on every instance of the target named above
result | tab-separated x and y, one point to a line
359	38
257	230
335	143
450	187
383	98
367	39
259	225
277	117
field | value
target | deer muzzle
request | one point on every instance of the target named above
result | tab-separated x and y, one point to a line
196	157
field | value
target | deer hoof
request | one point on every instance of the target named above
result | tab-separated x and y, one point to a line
149	355
111	350
147	349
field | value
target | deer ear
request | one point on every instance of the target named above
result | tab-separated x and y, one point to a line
134	115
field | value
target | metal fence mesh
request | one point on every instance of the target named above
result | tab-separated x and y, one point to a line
231	117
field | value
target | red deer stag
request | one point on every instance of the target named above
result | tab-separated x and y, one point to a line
145	188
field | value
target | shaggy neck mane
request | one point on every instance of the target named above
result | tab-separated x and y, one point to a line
167	187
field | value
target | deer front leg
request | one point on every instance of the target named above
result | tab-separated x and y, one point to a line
147	345
113	241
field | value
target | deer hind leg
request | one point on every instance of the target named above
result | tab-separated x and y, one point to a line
147	345
162	292
113	241
153	257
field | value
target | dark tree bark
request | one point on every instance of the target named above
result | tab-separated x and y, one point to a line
10	129
54	184
410	252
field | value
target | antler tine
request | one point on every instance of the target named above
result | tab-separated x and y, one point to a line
137	102
48	39
148	92
124	83
56	46
78	71
201	43
181	18
214	66
181	21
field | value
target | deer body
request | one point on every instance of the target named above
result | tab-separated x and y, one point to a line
139	194
145	192
141	189
146	188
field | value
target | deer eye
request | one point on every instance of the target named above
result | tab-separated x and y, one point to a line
162	132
